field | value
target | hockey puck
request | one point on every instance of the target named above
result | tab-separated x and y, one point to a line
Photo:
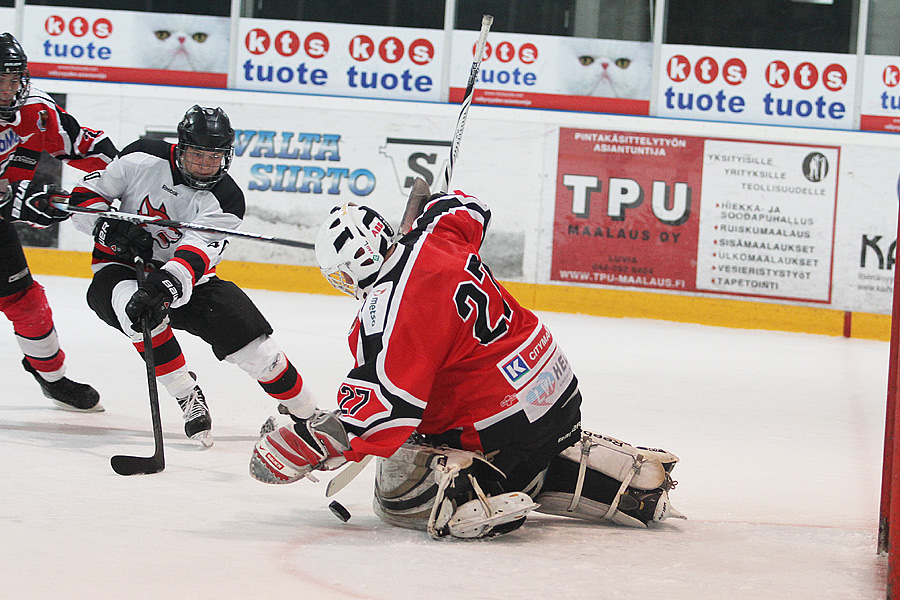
339	511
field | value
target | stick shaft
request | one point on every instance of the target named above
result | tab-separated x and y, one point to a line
486	21
144	219
136	465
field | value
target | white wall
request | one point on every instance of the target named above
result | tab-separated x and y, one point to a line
508	158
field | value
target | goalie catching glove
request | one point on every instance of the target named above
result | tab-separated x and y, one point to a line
33	203
288	452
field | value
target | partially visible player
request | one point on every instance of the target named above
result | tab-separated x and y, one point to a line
464	394
31	122
187	182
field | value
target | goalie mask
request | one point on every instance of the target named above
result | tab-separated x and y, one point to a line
15	83
351	247
205	146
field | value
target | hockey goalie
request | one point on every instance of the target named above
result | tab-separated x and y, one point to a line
464	396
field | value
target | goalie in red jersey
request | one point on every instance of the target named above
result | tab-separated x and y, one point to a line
32	123
464	395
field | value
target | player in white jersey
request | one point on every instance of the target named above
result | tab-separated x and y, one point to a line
464	394
187	182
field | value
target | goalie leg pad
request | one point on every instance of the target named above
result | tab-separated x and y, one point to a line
435	490
643	468
603	478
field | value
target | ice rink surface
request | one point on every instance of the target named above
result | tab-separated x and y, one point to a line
780	439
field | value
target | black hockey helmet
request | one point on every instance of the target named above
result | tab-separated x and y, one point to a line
205	129
14	60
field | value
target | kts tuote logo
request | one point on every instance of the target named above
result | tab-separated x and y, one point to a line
361	47
77	27
387	52
776	75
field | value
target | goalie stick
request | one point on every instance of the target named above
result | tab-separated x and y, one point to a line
144	219
345	476
420	193
139	465
486	21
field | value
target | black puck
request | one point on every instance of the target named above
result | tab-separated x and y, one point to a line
339	511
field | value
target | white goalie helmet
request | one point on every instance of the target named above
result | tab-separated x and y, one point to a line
351	247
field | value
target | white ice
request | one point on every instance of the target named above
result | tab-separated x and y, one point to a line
780	438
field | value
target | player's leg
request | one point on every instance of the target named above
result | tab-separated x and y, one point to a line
446	492
107	296
228	320
602	478
24	303
405	492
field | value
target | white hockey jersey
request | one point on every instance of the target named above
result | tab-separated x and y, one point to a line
146	181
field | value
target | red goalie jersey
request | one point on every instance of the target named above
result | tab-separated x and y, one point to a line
443	349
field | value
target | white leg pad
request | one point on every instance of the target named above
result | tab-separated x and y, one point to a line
641	468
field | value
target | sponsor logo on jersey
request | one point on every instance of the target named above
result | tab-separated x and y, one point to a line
170	190
547	387
19	159
518	367
374	311
9	139
540	392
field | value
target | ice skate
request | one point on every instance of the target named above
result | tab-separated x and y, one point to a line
67	394
197	421
648	506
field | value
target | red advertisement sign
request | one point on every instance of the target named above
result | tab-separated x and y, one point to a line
627	209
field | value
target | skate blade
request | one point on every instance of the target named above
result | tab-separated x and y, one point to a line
96	408
204	437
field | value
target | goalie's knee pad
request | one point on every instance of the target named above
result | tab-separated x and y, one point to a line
604	478
436	490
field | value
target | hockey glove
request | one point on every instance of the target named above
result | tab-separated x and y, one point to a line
292	451
152	299
32	203
125	240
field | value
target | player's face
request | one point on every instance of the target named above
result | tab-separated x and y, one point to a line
9	87
202	164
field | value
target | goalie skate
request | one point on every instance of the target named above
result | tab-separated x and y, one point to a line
487	516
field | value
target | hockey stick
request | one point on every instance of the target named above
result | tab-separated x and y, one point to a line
346	475
486	21
139	465
144	219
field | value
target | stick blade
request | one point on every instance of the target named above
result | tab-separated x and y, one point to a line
137	465
345	476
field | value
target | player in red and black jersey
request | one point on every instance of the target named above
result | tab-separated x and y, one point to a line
463	393
186	182
32	123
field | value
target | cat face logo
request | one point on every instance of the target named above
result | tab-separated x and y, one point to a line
43	120
166	236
